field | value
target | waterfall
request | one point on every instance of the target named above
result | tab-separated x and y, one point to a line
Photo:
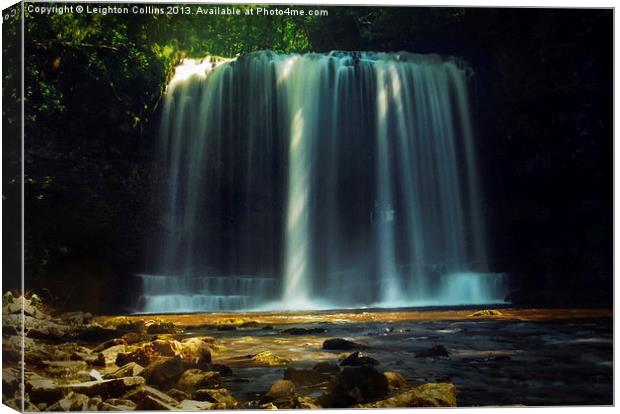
346	179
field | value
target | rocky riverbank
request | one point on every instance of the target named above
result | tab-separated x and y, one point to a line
75	363
356	358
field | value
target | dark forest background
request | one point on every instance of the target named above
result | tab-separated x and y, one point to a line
542	94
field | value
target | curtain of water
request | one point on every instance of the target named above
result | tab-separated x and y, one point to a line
348	178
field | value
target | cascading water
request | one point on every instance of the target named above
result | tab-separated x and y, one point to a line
326	180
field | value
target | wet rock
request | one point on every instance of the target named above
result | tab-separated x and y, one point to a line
433	352
327	368
140	394
340	344
222	397
136	326
136	337
193	405
356	359
267	328
151	403
280	392
130	369
164	371
266	357
356	385
160	327
304	331
72	402
194	379
109	388
160	347
395	380
305	377
426	395
249	324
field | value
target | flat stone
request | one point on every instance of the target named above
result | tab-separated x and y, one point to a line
44	390
109	388
281	389
164	371
131	369
220	396
193	405
139	394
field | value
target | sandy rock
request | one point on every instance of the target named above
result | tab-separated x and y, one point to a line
356	359
426	395
164	371
341	344
356	385
193	405
131	369
150	403
109	388
395	380
194	379
305	377
219	396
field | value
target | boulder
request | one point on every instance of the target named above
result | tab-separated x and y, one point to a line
196	351
44	390
340	344
219	396
435	351
164	371
178	394
160	347
110	354
131	369
395	380
356	359
327	368
307	403
305	377
193	379
426	395
356	385
279	392
137	326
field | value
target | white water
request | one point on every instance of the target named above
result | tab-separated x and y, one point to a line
349	178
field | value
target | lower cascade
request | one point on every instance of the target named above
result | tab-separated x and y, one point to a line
314	181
